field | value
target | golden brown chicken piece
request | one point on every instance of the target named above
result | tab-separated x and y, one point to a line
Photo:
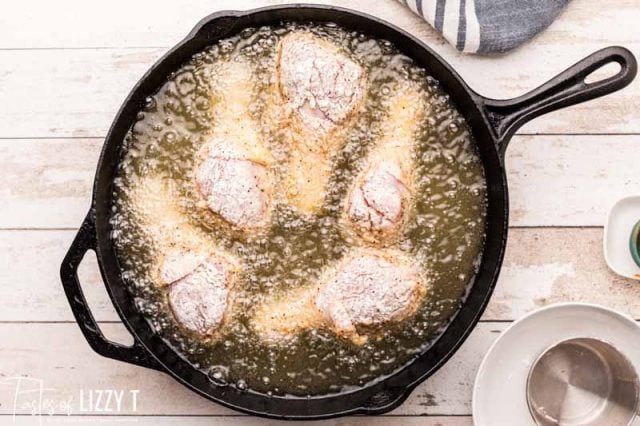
321	88
368	288
234	172
379	200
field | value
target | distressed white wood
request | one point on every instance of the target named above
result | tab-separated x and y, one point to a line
569	180
47	182
67	93
30	287
119	23
76	92
551	265
56	356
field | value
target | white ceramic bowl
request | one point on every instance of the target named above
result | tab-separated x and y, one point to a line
617	232
499	393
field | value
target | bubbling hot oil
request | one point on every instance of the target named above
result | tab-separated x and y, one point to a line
445	234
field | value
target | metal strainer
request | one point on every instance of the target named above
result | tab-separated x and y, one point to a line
583	381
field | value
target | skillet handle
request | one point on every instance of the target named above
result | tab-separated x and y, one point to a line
84	241
565	89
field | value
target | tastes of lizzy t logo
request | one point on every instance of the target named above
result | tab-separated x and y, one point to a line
30	396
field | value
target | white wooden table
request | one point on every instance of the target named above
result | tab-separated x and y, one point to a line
66	66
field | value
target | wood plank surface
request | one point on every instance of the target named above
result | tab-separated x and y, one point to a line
121	23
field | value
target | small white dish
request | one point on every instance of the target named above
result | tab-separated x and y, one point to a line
499	392
617	232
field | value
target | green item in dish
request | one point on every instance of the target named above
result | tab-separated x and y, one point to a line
634	243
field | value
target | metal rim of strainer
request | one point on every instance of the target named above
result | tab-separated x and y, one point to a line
632	412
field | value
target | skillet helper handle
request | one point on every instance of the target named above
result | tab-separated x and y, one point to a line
84	241
216	26
566	89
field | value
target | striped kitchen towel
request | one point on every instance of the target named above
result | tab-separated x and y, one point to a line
487	26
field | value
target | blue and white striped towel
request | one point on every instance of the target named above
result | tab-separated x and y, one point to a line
487	26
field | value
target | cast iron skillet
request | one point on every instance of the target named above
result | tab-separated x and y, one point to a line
493	122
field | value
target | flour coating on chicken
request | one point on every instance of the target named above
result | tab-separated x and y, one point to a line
177	264
320	83
198	289
235	186
369	288
379	200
